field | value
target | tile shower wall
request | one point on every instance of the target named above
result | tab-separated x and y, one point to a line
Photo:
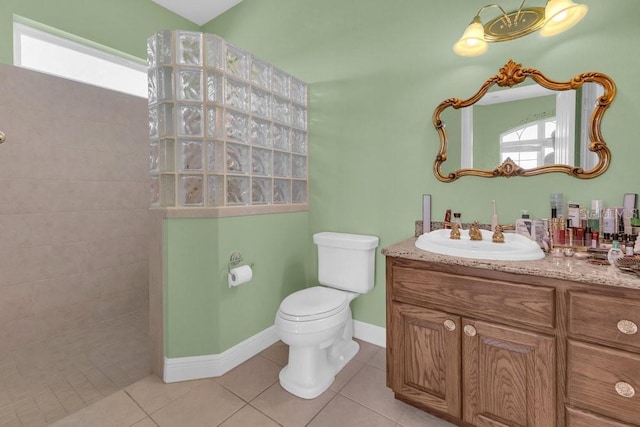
226	128
73	206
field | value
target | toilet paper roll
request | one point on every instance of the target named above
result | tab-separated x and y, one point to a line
240	275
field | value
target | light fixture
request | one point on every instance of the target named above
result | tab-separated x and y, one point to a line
556	17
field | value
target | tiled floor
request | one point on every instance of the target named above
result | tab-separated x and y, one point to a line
251	396
46	381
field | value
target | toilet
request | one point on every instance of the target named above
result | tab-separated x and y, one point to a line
316	322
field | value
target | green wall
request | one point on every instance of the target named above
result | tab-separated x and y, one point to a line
376	69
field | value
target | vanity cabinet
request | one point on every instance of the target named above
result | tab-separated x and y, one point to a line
482	347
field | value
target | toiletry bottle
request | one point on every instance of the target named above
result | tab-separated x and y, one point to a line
457	220
447	219
523	225
494	217
629	246
614	253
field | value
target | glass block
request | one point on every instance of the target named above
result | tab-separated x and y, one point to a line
189	120
189	84
214	119
190	192
152	86
237	158
237	190
298	141
261	191
299	192
260	102
281	191
164	46
152	51
280	82
236	62
281	164
280	136
155	191
189	48
236	94
261	161
214	86
166	155
260	132
154	156
215	156
298	91
299	166
154	132
190	155
298	116
167	190
215	190
213	51
165	120
236	125
280	110
260	73
165	83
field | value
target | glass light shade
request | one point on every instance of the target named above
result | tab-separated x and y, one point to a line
561	15
472	42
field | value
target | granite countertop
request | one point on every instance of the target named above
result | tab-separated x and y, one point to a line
568	268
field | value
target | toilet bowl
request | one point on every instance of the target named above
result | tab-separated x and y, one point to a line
316	322
317	325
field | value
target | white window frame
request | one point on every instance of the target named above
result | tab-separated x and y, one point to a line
20	30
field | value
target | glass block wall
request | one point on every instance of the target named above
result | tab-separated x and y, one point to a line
226	128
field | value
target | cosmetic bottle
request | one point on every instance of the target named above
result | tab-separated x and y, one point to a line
614	253
524	225
588	237
457	220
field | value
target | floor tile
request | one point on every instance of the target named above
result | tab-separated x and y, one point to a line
414	417
379	359
249	416
368	388
346	374
287	409
367	350
278	353
112	411
151	393
251	378
208	404
342	411
147	422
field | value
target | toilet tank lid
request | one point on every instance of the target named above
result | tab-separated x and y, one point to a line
345	240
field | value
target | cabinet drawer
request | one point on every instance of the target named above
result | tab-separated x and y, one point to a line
605	381
605	318
576	418
481	298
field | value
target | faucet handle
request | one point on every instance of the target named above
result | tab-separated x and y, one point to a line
498	236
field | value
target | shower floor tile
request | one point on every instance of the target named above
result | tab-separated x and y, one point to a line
48	380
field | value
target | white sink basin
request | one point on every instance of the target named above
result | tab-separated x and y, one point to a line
514	248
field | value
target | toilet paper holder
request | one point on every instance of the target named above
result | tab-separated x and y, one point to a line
234	260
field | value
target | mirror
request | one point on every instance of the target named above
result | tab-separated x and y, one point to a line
527	125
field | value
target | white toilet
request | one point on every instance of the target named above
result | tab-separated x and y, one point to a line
316	322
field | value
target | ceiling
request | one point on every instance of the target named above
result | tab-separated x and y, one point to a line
198	11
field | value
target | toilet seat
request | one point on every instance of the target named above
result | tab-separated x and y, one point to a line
313	303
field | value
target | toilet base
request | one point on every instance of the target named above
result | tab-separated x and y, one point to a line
311	371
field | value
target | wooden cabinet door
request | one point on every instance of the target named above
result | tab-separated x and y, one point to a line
426	359
509	376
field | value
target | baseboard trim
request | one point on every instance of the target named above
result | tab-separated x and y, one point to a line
370	333
214	365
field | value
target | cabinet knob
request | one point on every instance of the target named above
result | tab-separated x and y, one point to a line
470	330
627	327
2	137
625	389
450	325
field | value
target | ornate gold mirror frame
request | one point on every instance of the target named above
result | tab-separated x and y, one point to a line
512	74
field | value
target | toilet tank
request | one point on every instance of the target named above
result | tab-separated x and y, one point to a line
346	261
